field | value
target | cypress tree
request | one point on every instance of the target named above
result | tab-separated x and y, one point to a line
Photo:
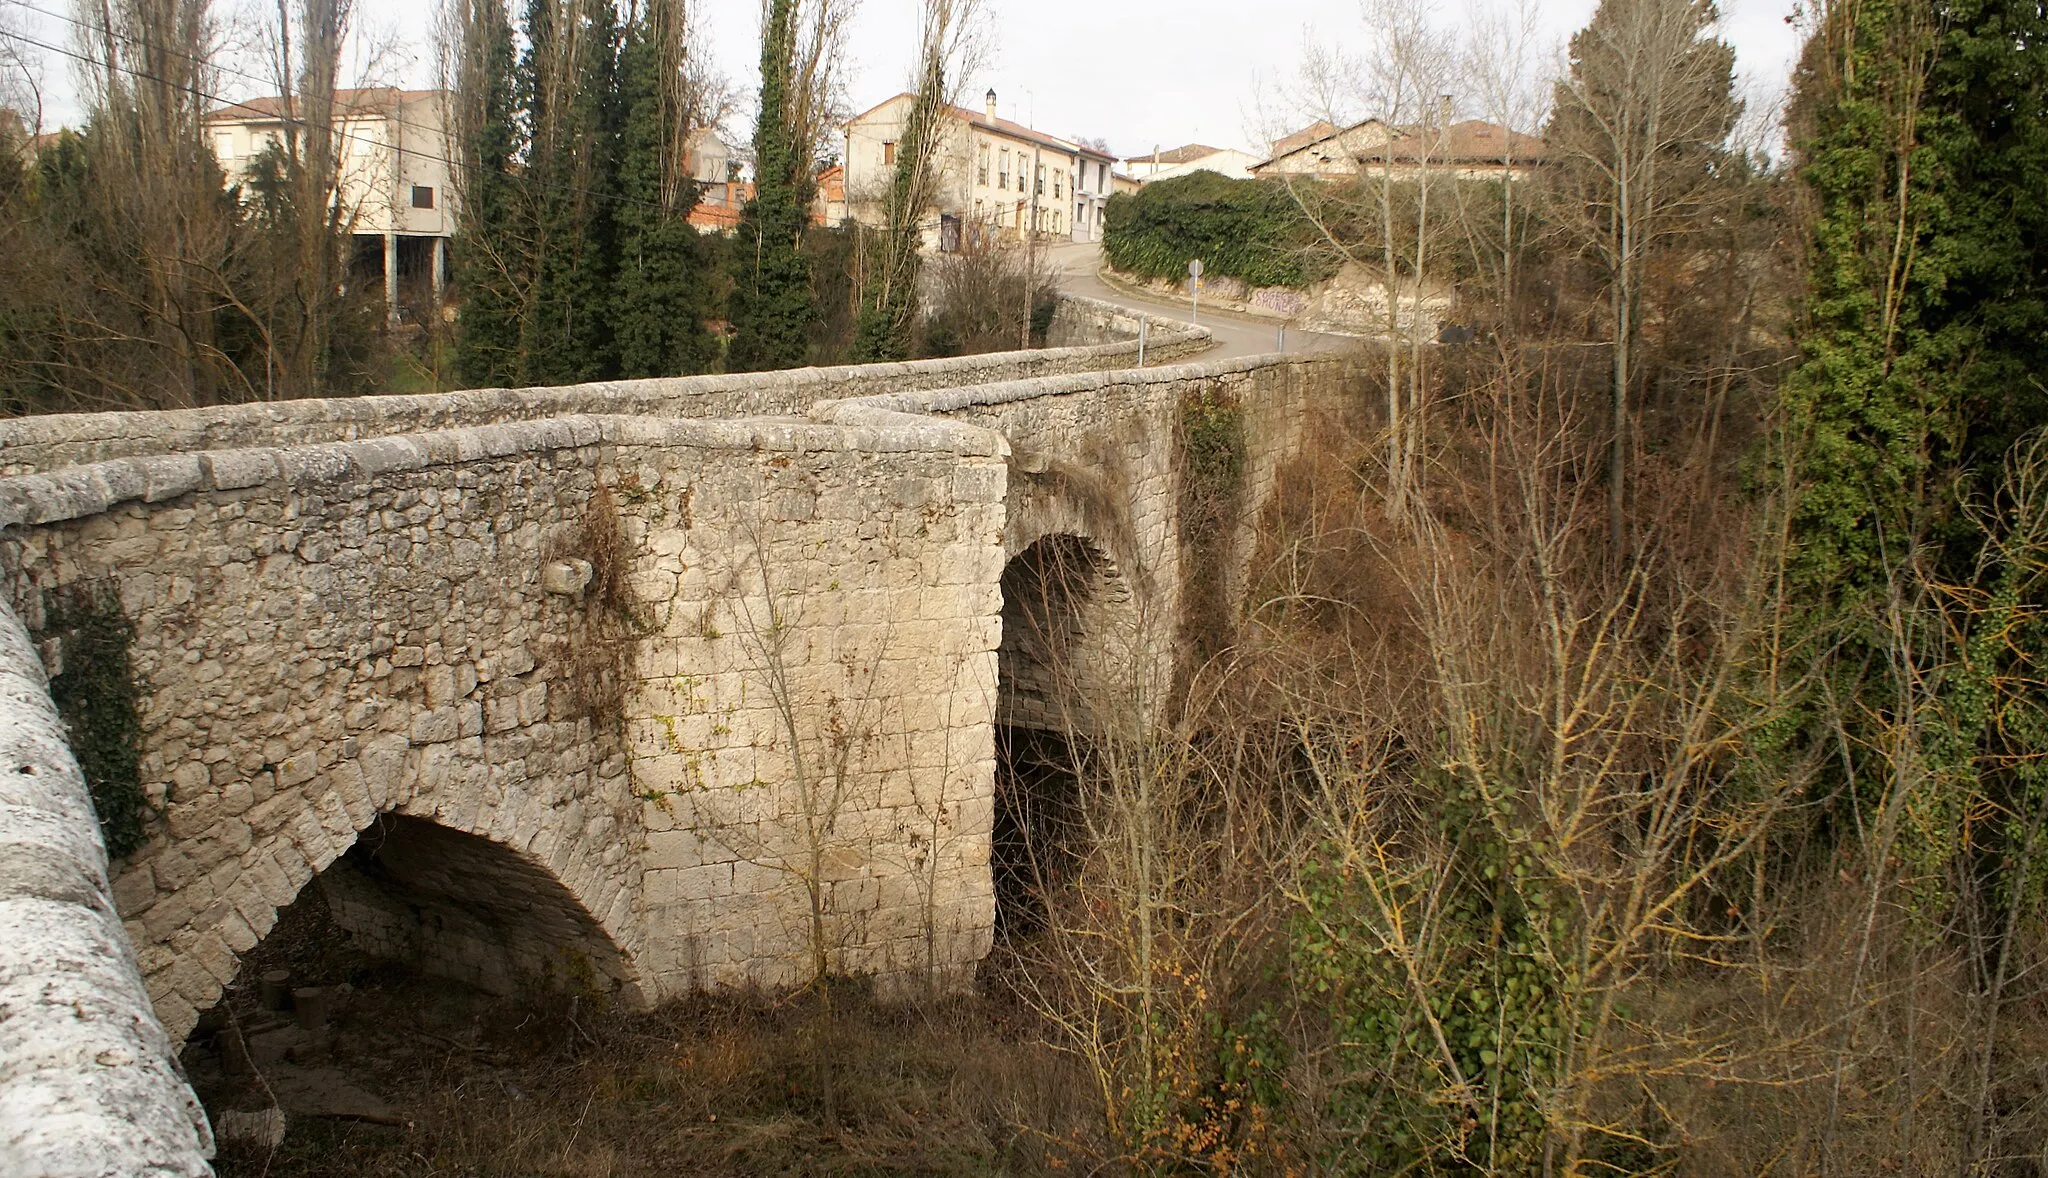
771	307
492	271
662	292
571	87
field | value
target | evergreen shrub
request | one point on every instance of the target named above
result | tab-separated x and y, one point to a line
1251	230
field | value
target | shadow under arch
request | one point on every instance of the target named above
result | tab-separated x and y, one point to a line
461	906
1068	668
1070	635
423	892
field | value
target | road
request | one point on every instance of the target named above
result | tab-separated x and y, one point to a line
1076	267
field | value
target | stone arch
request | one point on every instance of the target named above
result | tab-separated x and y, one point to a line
461	906
1069	667
1071	640
569	855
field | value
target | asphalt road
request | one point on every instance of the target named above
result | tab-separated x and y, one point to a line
1077	267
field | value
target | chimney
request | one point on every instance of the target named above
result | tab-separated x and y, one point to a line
990	99
1443	111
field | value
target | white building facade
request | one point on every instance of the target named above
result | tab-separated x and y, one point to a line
997	178
1192	157
394	190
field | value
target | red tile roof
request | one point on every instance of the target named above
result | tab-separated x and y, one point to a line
353	101
1473	141
1315	132
1184	154
1002	127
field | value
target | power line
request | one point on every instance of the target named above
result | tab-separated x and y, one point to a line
301	124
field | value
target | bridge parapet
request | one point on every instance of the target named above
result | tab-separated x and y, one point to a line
1095	337
89	1082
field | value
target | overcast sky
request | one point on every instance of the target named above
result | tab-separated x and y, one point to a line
1133	72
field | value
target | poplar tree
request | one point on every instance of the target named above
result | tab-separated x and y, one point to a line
1636	137
772	307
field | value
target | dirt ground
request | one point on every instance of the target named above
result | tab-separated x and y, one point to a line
416	1076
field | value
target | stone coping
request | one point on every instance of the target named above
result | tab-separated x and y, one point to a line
882	423
79	491
89	1081
174	431
942	401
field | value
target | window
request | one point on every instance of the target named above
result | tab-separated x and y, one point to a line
223	146
1039	180
888	155
981	173
422	197
1003	177
1056	186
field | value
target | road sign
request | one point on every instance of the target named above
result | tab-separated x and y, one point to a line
1195	268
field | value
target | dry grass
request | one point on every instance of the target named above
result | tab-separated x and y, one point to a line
712	1086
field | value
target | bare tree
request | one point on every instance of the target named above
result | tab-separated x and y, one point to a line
1503	67
948	50
1385	216
157	201
313	219
818	47
1636	140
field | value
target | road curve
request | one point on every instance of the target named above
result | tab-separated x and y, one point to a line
1076	268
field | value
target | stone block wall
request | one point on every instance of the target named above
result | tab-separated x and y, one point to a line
814	716
330	633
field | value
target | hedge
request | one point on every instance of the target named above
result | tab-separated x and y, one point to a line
1246	229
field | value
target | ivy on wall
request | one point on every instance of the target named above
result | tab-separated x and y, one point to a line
94	690
1212	454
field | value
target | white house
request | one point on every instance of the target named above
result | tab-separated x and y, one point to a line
394	158
1192	157
995	176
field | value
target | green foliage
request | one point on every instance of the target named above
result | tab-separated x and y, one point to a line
578	260
571	168
665	287
771	308
1918	124
95	692
489	267
1445	990
1245	229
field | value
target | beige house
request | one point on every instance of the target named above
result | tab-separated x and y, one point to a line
995	176
394	189
1471	150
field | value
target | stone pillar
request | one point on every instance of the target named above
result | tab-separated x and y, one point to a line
391	279
440	271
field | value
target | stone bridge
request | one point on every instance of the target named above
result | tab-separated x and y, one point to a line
633	688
